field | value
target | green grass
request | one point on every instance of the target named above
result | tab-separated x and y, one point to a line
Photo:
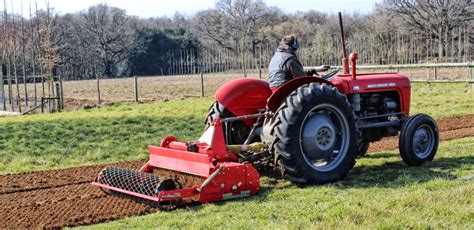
119	132
380	192
442	100
109	134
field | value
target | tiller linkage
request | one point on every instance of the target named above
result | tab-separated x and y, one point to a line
209	158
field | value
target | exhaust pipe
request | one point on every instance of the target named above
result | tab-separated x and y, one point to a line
345	61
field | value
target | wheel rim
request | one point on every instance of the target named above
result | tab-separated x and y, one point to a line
324	137
423	141
237	132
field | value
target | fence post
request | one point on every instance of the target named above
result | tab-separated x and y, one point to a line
12	102
469	73
259	73
469	76
202	84
98	89
436	73
61	94
135	78
58	98
3	100
51	94
3	88
42	105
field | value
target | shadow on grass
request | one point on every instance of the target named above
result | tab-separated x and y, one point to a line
398	174
394	174
379	155
388	175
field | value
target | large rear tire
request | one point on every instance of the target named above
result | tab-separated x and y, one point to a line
314	135
215	111
235	132
419	140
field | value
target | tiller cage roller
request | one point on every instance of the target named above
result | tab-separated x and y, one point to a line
223	177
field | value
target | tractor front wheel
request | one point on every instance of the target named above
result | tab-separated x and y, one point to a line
314	135
419	140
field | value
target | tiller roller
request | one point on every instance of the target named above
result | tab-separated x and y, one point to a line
223	177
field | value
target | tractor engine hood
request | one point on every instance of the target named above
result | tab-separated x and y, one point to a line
376	82
370	82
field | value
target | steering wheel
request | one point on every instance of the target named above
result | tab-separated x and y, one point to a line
330	74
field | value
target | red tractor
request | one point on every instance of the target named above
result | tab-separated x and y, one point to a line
315	127
312	129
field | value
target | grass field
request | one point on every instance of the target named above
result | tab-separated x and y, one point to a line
108	134
381	192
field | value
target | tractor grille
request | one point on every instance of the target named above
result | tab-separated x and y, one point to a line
131	180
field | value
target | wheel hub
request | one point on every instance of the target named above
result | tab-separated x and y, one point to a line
422	141
319	137
324	137
236	132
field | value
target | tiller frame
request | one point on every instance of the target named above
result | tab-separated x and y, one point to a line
225	178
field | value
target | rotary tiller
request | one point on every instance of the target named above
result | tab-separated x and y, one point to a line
223	177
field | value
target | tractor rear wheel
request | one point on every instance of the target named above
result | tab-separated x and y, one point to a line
314	135
419	140
236	132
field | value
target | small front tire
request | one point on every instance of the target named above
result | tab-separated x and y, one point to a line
419	139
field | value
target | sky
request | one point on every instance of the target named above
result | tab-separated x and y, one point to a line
157	8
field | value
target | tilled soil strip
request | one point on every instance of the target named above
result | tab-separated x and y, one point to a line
24	182
64	197
450	128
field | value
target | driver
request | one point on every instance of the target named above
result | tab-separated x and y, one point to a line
285	65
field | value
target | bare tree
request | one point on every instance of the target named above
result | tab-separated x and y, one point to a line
214	26
23	54
436	19
109	34
237	24
14	48
7	55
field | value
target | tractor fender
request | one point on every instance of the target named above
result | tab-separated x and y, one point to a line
283	91
244	96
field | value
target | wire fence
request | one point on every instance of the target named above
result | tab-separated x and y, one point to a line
57	95
32	93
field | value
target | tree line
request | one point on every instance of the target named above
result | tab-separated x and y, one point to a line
234	35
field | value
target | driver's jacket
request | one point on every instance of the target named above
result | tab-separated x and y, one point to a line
283	67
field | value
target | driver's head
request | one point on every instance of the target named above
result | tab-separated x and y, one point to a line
291	41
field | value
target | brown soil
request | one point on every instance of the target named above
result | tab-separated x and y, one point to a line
64	197
23	182
450	128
